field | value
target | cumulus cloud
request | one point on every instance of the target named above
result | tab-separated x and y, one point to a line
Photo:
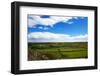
35	20
53	37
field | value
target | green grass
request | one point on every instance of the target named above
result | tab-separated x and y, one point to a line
52	51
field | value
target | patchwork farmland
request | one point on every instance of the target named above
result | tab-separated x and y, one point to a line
57	50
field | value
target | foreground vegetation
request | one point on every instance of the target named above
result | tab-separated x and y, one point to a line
53	51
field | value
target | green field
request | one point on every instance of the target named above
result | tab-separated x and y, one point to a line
61	50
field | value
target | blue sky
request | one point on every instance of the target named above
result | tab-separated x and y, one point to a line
44	28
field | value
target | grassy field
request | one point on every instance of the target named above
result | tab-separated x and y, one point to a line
53	51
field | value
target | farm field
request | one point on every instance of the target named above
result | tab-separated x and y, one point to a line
57	50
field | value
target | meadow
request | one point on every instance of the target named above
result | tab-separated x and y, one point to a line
57	50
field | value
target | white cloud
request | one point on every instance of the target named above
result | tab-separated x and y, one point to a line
46	28
47	21
40	27
53	37
69	22
43	28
